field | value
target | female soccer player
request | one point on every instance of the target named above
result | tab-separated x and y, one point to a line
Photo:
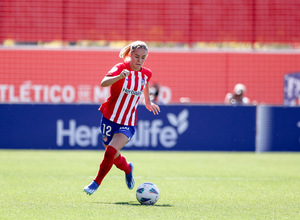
127	80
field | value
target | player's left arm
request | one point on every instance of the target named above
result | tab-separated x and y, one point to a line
152	107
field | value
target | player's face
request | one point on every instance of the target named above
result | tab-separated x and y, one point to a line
138	57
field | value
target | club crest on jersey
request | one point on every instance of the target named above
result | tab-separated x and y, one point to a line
143	82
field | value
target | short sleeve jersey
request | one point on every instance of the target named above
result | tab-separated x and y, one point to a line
124	97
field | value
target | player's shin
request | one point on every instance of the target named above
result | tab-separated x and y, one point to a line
121	163
106	164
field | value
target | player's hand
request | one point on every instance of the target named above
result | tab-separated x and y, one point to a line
152	107
124	74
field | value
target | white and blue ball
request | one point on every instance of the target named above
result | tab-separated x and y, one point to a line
147	193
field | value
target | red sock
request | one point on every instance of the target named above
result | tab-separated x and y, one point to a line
122	164
106	164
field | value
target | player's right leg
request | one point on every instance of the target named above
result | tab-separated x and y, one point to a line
91	188
107	129
105	166
117	142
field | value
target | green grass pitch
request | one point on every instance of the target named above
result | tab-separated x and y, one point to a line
193	185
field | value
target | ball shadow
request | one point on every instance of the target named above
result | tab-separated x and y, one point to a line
134	203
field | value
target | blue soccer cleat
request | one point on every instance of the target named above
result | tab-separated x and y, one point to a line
90	189
129	178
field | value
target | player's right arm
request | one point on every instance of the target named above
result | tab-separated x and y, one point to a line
113	77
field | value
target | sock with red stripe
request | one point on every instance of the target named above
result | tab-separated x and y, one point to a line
106	164
121	163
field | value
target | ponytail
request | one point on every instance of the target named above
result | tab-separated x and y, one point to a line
124	54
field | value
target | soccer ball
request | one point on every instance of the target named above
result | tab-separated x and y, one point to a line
147	193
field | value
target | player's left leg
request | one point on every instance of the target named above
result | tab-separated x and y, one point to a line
121	163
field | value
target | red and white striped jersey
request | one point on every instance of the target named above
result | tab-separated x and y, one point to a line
122	104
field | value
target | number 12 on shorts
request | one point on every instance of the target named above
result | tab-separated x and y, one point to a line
106	130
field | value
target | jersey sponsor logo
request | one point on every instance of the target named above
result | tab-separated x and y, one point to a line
132	92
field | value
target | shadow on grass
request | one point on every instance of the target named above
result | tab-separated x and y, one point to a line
133	203
138	204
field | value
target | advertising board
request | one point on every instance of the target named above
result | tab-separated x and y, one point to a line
179	128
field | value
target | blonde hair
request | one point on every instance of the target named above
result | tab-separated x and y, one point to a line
124	53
